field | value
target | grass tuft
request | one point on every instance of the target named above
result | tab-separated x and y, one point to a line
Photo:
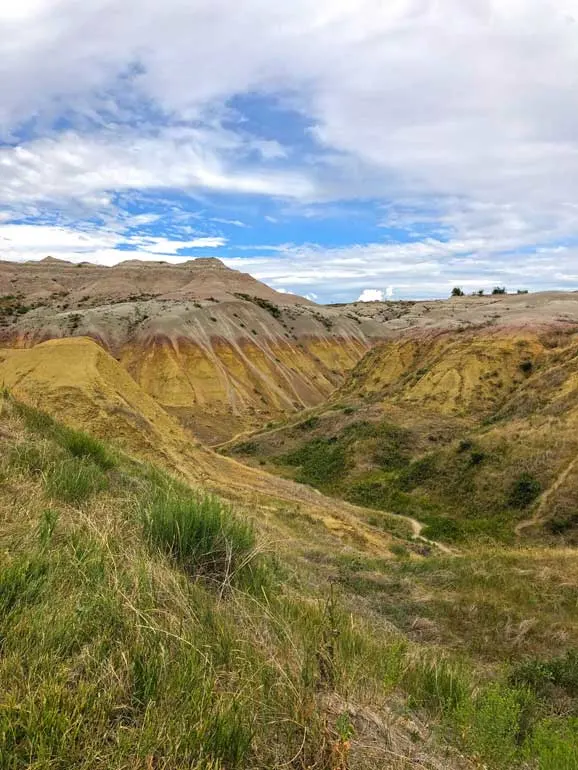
202	535
73	480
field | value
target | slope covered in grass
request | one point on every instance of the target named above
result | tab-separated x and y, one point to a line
142	626
474	434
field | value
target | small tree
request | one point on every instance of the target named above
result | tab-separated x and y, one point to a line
499	290
457	292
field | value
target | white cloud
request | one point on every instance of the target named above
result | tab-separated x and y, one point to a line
371	295
72	167
30	242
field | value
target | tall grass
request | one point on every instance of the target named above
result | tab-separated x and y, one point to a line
203	535
73	480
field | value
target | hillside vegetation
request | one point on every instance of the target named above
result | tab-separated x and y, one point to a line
475	435
143	626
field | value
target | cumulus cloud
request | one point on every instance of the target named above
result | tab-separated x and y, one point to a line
371	295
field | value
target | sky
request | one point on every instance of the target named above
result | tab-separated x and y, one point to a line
338	149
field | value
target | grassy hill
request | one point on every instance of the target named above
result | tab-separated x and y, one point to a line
144	625
474	434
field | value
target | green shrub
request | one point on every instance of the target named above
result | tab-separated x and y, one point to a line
399	550
309	423
246	448
392	447
418	472
321	461
266	304
74	479
496	724
525	489
543	675
477	457
526	367
202	535
442	528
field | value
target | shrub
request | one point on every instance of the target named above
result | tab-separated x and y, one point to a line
526	367
442	528
525	489
201	534
477	457
322	461
499	290
457	292
418	472
266	304
543	675
496	724
399	550
246	448
309	423
392	447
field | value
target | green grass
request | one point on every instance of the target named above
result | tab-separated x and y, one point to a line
201	534
80	444
73	480
75	442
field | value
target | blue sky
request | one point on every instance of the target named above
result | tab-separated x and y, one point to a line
342	149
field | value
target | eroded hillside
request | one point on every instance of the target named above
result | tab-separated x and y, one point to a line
145	625
471	431
218	349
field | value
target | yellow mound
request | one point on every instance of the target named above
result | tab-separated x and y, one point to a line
452	373
76	380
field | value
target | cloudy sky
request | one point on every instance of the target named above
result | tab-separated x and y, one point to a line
334	148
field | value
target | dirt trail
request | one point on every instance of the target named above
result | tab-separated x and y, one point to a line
537	516
417	528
